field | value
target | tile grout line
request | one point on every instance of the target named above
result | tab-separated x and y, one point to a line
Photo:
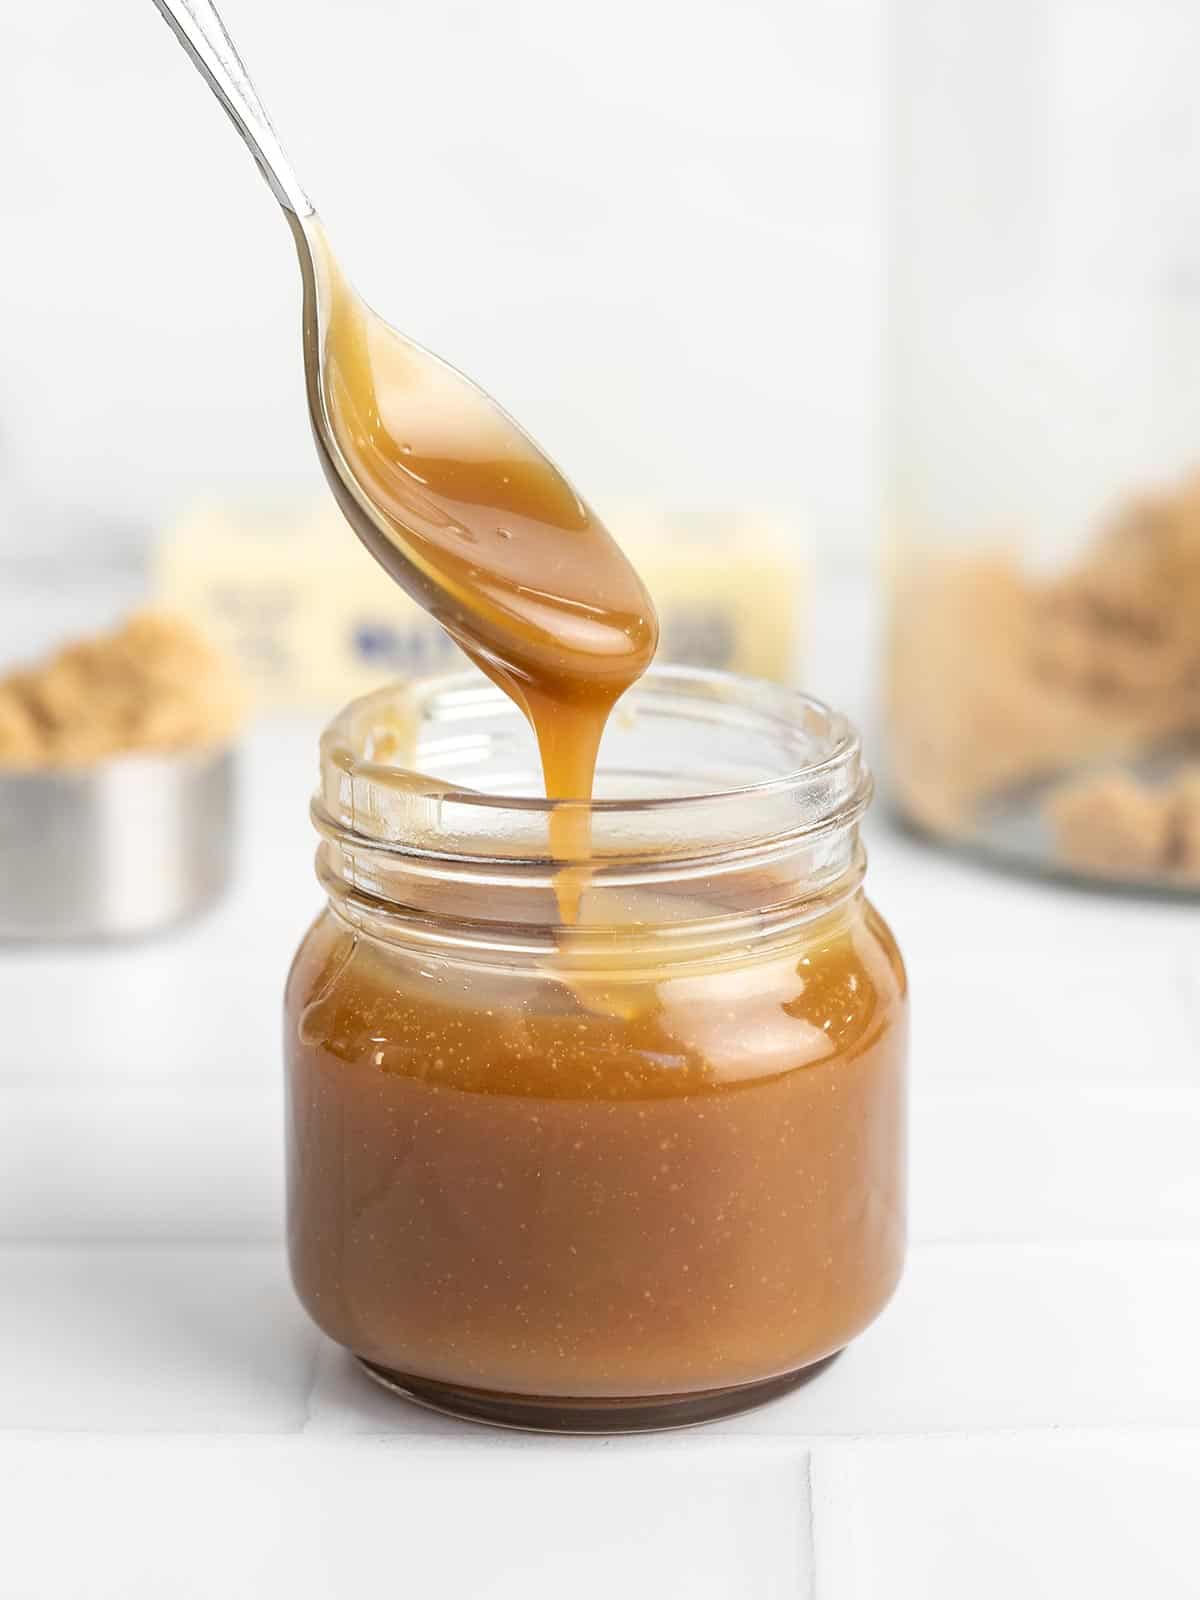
1067	1435
808	1530
1064	1433
836	1573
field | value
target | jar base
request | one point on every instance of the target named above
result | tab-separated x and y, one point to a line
543	1414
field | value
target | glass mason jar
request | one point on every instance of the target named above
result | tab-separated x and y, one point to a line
1045	432
636	1171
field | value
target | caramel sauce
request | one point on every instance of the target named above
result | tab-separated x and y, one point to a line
515	1176
468	515
497	1185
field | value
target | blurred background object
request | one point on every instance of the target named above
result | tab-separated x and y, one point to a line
1044	488
313	622
117	782
117	849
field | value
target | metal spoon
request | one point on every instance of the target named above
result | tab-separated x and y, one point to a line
441	485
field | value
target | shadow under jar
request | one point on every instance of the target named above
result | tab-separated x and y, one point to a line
636	1172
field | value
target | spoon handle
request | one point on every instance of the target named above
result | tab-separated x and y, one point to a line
203	35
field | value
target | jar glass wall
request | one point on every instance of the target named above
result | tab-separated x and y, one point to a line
1045	432
634	1171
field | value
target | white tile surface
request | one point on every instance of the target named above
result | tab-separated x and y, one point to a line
1027	1020
1094	1518
189	1004
190	1339
252	1518
159	1160
1007	931
1040	1353
345	1401
1191	987
1058	1161
987	1337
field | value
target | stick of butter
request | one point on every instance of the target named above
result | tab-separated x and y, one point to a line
313	621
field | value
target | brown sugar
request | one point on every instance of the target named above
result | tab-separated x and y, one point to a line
1118	826
1185	826
1111	824
153	684
1002	678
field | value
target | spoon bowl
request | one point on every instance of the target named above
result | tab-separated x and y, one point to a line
454	498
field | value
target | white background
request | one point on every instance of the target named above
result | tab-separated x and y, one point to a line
650	227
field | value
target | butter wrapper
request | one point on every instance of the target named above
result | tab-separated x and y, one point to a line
313	621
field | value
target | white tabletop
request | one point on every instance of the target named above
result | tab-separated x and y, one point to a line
1023	1421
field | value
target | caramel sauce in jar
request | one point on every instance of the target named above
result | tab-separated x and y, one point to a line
632	1168
595	1105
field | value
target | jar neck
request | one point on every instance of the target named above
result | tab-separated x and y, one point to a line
679	867
681	912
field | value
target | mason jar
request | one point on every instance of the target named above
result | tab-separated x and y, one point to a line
635	1170
1044	425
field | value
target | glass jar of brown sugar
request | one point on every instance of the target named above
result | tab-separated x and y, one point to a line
1042	486
635	1170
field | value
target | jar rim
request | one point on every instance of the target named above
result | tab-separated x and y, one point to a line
727	861
802	722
